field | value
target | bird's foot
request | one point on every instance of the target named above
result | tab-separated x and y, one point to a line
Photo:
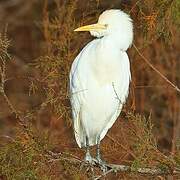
102	164
88	164
88	160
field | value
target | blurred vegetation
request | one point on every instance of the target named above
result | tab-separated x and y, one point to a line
36	138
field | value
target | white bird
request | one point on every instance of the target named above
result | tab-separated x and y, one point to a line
99	79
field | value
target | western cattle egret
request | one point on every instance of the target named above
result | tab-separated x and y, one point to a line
99	79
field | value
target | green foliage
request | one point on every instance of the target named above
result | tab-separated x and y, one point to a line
177	155
145	146
27	155
23	157
176	13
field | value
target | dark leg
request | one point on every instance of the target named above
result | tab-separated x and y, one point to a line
98	157
88	157
98	154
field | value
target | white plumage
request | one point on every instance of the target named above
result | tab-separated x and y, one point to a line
100	77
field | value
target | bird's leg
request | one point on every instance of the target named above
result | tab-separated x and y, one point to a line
98	153
98	157
88	158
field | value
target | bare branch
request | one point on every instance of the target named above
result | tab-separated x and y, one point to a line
113	167
146	171
117	142
156	70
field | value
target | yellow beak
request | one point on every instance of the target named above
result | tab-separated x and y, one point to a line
91	27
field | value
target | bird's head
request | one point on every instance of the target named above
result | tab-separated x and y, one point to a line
115	24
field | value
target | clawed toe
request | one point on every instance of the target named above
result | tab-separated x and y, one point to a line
89	163
89	160
103	167
102	164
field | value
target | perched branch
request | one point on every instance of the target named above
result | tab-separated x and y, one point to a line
150	171
156	70
145	171
53	157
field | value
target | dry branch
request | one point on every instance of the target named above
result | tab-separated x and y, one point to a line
144	171
150	171
156	70
153	171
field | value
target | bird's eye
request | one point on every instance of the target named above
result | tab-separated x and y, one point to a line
106	25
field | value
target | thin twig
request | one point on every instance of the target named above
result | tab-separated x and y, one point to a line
7	137
117	142
116	94
134	6
104	174
3	80
72	160
156	70
2	84
151	86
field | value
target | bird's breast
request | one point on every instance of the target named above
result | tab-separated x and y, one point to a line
106	73
106	66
